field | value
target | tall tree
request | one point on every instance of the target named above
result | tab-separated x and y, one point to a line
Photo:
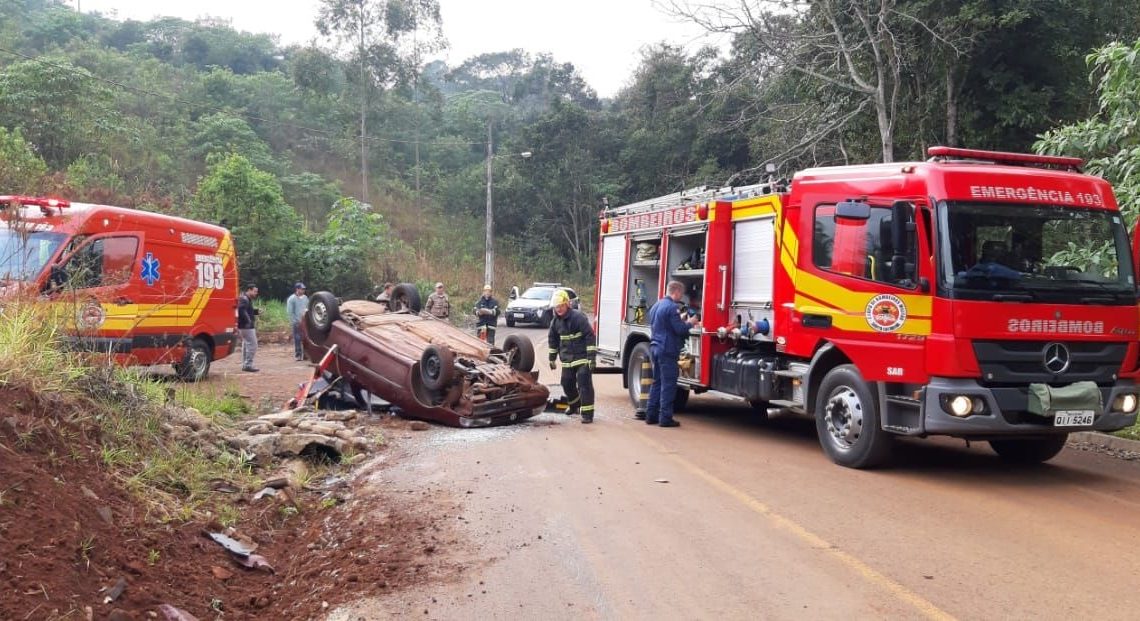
376	29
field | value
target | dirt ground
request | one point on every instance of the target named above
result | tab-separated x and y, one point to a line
70	533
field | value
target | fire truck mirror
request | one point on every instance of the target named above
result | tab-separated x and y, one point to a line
852	210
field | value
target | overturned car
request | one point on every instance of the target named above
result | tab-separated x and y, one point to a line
427	368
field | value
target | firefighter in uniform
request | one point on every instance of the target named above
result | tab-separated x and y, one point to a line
487	315
572	340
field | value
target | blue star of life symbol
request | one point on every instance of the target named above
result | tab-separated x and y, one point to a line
150	269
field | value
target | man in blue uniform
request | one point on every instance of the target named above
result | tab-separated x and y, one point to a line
668	332
572	339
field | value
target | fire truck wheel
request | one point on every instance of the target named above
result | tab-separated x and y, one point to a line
195	364
437	366
847	420
521	352
1029	450
633	373
405	297
323	311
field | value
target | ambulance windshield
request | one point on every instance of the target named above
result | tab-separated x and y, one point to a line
23	255
1034	253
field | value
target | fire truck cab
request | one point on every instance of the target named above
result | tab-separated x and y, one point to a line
980	295
139	287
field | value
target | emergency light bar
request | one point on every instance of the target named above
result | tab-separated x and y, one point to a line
1002	157
45	204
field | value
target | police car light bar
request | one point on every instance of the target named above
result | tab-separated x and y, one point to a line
1003	157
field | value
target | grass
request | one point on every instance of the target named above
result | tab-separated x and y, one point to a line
1131	433
273	317
31	352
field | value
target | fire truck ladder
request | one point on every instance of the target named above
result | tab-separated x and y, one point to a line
699	194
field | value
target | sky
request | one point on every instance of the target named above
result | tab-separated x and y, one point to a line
602	38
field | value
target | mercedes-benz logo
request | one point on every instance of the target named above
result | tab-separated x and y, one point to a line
1056	358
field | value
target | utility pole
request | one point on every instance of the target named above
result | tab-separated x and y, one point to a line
489	266
363	114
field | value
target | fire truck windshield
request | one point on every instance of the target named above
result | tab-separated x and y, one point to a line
23	255
1034	253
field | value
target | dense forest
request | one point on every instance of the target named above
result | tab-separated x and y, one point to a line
353	160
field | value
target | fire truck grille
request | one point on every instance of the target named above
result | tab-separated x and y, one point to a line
1021	362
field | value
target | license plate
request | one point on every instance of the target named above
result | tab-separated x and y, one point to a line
517	315
1073	418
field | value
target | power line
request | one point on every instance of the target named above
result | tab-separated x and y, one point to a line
329	135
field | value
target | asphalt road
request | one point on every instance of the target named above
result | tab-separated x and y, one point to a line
730	518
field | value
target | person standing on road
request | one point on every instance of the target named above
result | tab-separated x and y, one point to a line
487	315
571	338
385	297
247	327
668	332
296	306
438	304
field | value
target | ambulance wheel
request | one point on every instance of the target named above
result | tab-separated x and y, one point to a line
634	373
323	311
521	352
437	367
195	364
1029	450
405	297
847	420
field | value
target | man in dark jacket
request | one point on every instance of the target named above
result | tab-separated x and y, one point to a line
572	339
668	332
487	315
247	327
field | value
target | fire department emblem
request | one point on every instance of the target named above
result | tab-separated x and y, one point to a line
90	316
886	313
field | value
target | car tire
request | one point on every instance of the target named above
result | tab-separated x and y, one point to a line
521	352
323	311
847	420
195	364
437	367
546	319
634	373
510	322
405	297
1029	450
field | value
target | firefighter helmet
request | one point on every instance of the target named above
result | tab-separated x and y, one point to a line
560	298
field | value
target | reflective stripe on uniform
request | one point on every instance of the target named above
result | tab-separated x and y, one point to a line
576	363
571	337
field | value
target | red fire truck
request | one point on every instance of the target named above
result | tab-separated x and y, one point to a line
980	295
139	287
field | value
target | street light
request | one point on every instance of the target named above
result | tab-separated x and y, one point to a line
489	261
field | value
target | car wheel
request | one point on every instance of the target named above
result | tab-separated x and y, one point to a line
1029	450
195	364
546	319
437	366
847	420
520	351
405	297
323	311
510	322
636	372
